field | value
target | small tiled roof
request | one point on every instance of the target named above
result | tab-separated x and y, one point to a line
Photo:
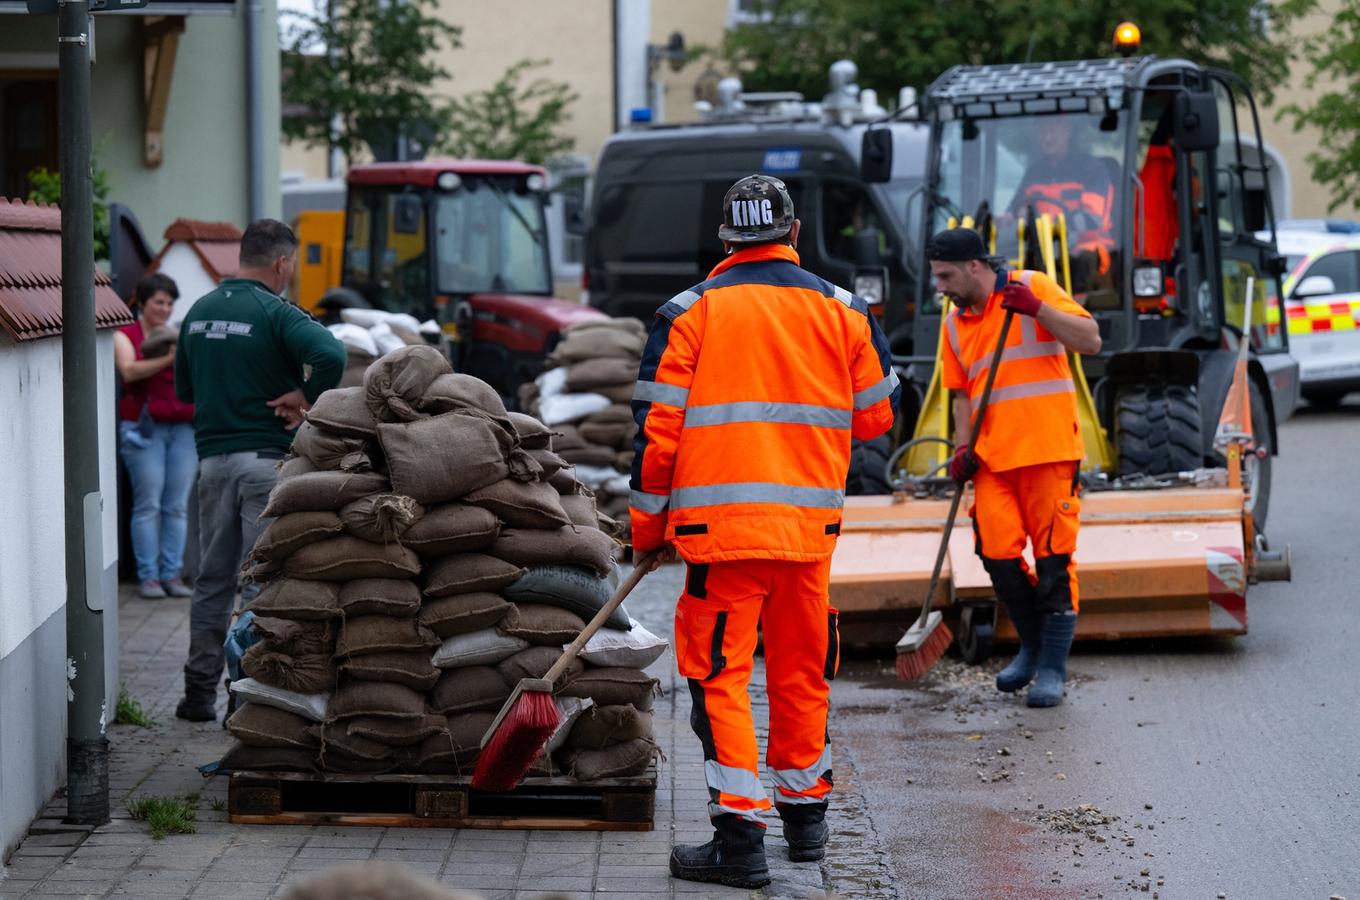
217	245
30	275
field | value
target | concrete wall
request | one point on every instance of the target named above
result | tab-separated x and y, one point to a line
32	577
203	175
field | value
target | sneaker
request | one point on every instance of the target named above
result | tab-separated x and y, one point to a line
197	709
176	587
714	861
151	589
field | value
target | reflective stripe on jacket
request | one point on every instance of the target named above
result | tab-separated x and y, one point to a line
1032	418
751	386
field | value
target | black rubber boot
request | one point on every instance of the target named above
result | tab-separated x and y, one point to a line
805	830
1021	670
1057	630
735	857
197	706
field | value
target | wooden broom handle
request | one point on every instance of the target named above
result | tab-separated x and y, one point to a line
641	567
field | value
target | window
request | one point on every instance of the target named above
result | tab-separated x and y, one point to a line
846	209
1227	180
1340	267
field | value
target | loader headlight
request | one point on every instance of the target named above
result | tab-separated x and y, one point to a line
535	182
448	181
1148	280
871	285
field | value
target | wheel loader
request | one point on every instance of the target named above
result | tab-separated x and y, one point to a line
1140	184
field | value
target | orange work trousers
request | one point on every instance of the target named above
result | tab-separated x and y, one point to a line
1038	503
715	645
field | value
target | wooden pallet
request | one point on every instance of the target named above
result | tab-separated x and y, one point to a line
440	801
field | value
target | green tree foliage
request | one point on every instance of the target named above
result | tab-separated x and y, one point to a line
911	42
44	186
1335	57
370	66
511	120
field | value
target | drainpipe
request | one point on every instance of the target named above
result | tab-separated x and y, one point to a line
254	111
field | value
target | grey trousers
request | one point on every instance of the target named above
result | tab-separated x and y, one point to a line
233	489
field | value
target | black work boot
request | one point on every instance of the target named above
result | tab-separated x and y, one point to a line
805	830
198	705
735	857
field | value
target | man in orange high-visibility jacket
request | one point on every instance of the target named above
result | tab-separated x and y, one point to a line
751	387
1025	471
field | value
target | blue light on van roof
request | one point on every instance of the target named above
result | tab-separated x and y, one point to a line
640	114
783	159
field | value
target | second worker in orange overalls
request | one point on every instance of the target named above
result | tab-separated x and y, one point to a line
1025	472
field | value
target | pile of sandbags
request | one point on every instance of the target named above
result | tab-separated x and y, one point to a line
586	398
430	550
372	333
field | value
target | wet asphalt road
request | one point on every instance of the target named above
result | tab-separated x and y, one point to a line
1210	768
1176	769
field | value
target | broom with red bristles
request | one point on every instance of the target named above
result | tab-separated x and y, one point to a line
529	717
928	638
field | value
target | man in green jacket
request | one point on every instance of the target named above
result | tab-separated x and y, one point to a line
243	360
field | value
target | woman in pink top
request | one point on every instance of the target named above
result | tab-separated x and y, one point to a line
155	439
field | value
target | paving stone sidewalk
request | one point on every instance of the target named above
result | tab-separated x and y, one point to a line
243	862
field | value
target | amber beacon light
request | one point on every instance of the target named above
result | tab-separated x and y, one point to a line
1127	37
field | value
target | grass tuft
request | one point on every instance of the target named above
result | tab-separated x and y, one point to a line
166	815
130	712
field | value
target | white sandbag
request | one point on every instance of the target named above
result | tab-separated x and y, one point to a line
370	318
477	648
429	327
354	337
310	706
569	709
595	477
618	486
637	648
552	382
565	408
386	339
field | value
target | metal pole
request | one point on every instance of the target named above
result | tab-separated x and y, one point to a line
87	747
254	110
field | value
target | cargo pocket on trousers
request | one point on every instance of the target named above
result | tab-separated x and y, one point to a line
833	643
1062	537
699	630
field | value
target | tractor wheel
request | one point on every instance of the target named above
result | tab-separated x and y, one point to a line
1258	468
1157	430
868	460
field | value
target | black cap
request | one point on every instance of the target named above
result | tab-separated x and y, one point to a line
756	209
958	245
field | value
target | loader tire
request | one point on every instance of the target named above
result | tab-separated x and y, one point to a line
1157	430
868	462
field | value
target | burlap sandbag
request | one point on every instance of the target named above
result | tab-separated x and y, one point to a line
534	662
466	573
463	613
613	435
381	518
603	726
295	598
565	483
245	758
541	624
568	437
521	504
533	434
598	342
618	761
444	457
618	393
293	466
356	367
456	749
396	383
296	635
380	596
305	673
159	341
346	557
459	391
625	324
589	374
336	740
569	587
469	688
581	510
293	532
377	634
624	460
258	725
452	528
321	491
618	414
329	451
569	545
383	699
549	461
609	686
409	667
344	411
590	455
476	648
396	732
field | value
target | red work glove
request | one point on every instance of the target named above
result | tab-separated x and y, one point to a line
1020	298
963	466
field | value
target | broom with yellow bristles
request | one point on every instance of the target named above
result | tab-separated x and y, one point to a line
928	638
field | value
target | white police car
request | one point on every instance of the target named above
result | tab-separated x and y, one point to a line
1322	311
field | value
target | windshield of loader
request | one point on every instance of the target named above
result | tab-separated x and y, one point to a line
1063	166
492	237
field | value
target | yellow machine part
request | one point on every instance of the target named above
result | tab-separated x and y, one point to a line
321	242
